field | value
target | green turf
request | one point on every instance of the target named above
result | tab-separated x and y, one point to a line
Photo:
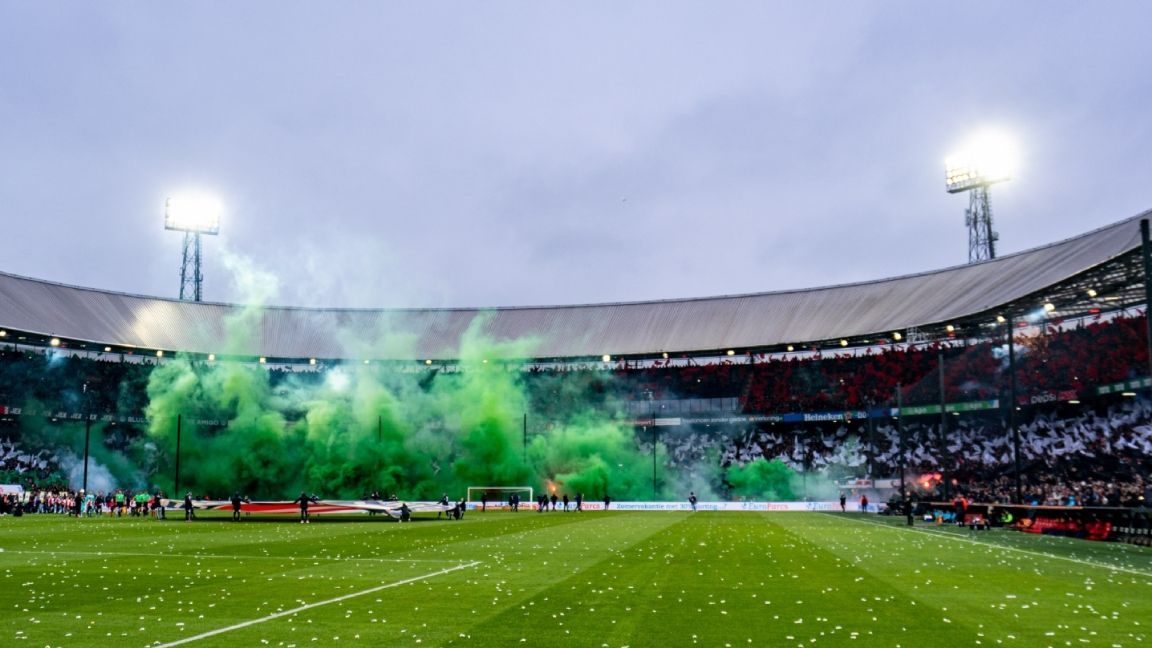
588	579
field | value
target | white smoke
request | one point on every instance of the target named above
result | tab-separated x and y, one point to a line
100	478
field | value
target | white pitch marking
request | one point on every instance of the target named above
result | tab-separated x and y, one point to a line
941	534
309	606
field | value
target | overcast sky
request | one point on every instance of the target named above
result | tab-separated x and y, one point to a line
374	154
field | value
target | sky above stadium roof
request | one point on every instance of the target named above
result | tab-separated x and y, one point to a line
471	154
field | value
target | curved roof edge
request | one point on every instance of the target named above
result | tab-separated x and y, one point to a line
565	331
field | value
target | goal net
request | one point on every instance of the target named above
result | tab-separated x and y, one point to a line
498	495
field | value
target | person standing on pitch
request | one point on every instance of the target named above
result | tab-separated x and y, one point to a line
692	500
565	502
159	499
843	502
236	506
579	502
303	501
188	514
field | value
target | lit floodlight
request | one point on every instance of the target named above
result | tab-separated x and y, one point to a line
988	158
896	336
606	358
193	215
197	214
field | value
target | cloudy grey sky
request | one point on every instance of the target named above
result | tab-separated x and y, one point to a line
500	153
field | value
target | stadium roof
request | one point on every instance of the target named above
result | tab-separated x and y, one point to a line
1106	260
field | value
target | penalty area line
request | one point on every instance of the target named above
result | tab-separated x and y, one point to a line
309	606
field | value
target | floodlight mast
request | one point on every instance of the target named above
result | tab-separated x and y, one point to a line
193	217
978	218
973	177
191	279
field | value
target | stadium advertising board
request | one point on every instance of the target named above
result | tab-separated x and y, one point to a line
715	506
676	506
1120	387
1047	397
821	417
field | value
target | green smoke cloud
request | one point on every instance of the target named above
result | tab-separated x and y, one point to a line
762	478
232	436
362	428
597	457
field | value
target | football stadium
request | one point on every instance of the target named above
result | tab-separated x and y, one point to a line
958	457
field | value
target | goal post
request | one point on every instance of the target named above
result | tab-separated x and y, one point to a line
498	495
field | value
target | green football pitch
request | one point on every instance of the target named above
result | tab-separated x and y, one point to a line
563	579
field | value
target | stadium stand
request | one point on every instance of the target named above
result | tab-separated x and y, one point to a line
914	374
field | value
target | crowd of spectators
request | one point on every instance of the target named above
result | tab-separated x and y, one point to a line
1098	454
17	461
59	499
1051	359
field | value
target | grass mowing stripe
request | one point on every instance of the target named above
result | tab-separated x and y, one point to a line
951	536
515	594
1007	596
309	606
101	554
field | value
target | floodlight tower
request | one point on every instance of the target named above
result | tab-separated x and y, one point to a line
193	216
986	161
